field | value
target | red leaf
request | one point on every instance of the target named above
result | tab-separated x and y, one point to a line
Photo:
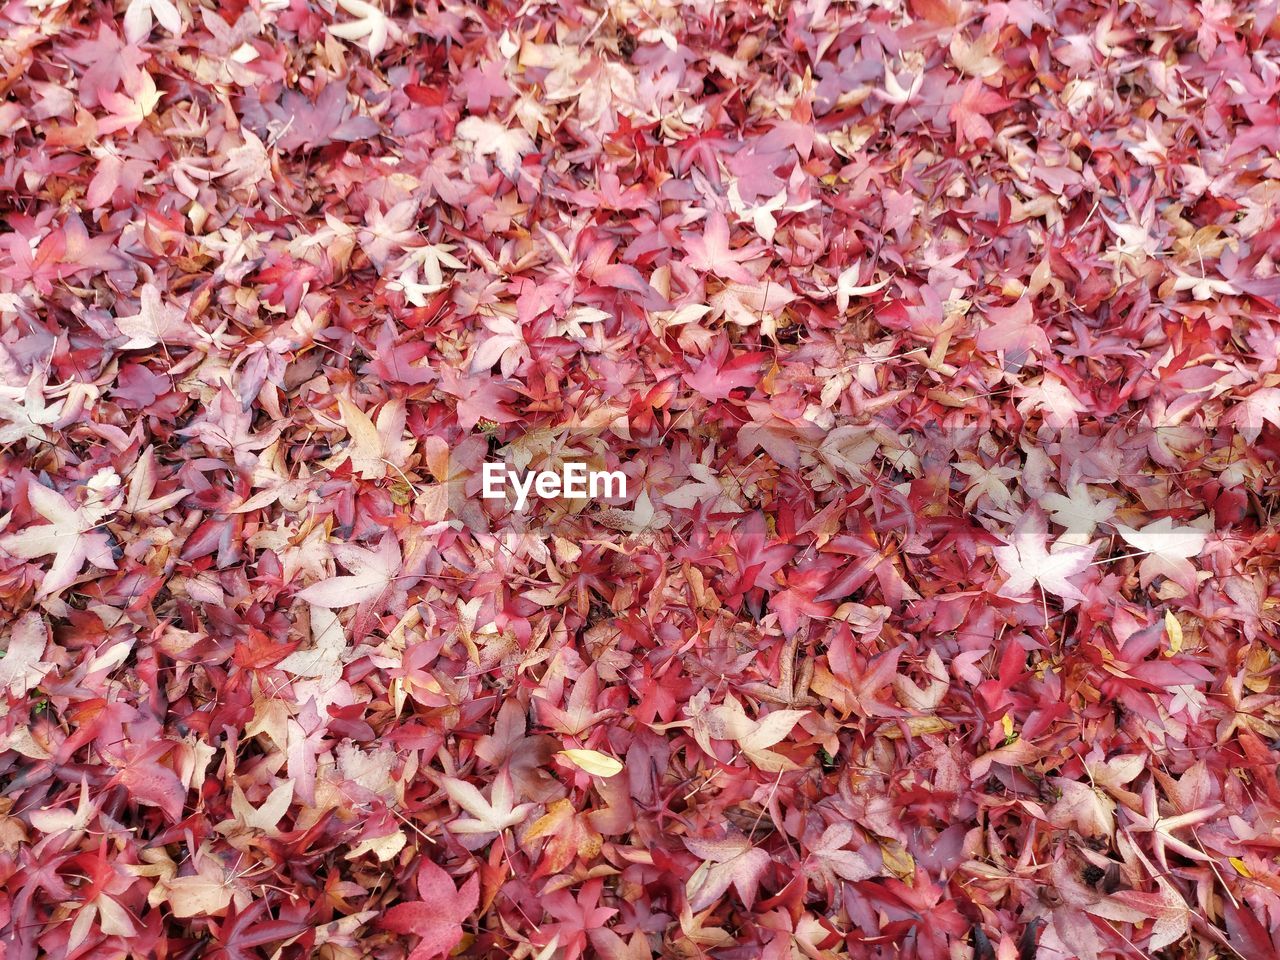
437	917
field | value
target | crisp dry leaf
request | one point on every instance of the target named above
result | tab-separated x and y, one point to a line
370	26
25	413
1028	561
265	817
593	762
70	536
490	138
487	816
324	659
197	896
372	573
1168	549
732	861
139	15
22	666
155	322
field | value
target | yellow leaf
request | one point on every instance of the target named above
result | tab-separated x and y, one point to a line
896	859
365	448
1174	629
1255	665
401	493
1006	722
197	896
557	814
593	762
1241	869
916	726
383	847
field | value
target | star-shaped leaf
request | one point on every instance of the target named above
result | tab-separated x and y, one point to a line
1028	561
69	536
1162	828
487	816
437	917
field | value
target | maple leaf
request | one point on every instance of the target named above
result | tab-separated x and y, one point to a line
129	109
69	536
429	260
987	480
303	125
484	84
24	413
1072	932
371	29
894	92
143	480
1111	775
436	917
977	101
1024	14
491	138
397	362
1167	907
975	59
480	397
139	15
389	231
1014	331
1027	561
578	917
206	893
1202	287
55	819
710	253
155	322
325	658
372	448
1078	512
1248	936
580	712
1161	828
152	783
728	721
746	304
488	817
1168	550
719	374
1055	400
1084	808
829	858
372	573
21	667
263	818
569	834
227	425
1261	406
731	861
762	214
505	345
848	287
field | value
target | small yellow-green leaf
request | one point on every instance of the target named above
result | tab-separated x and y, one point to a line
1173	628
593	762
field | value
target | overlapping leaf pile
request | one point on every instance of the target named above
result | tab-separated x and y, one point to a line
940	348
